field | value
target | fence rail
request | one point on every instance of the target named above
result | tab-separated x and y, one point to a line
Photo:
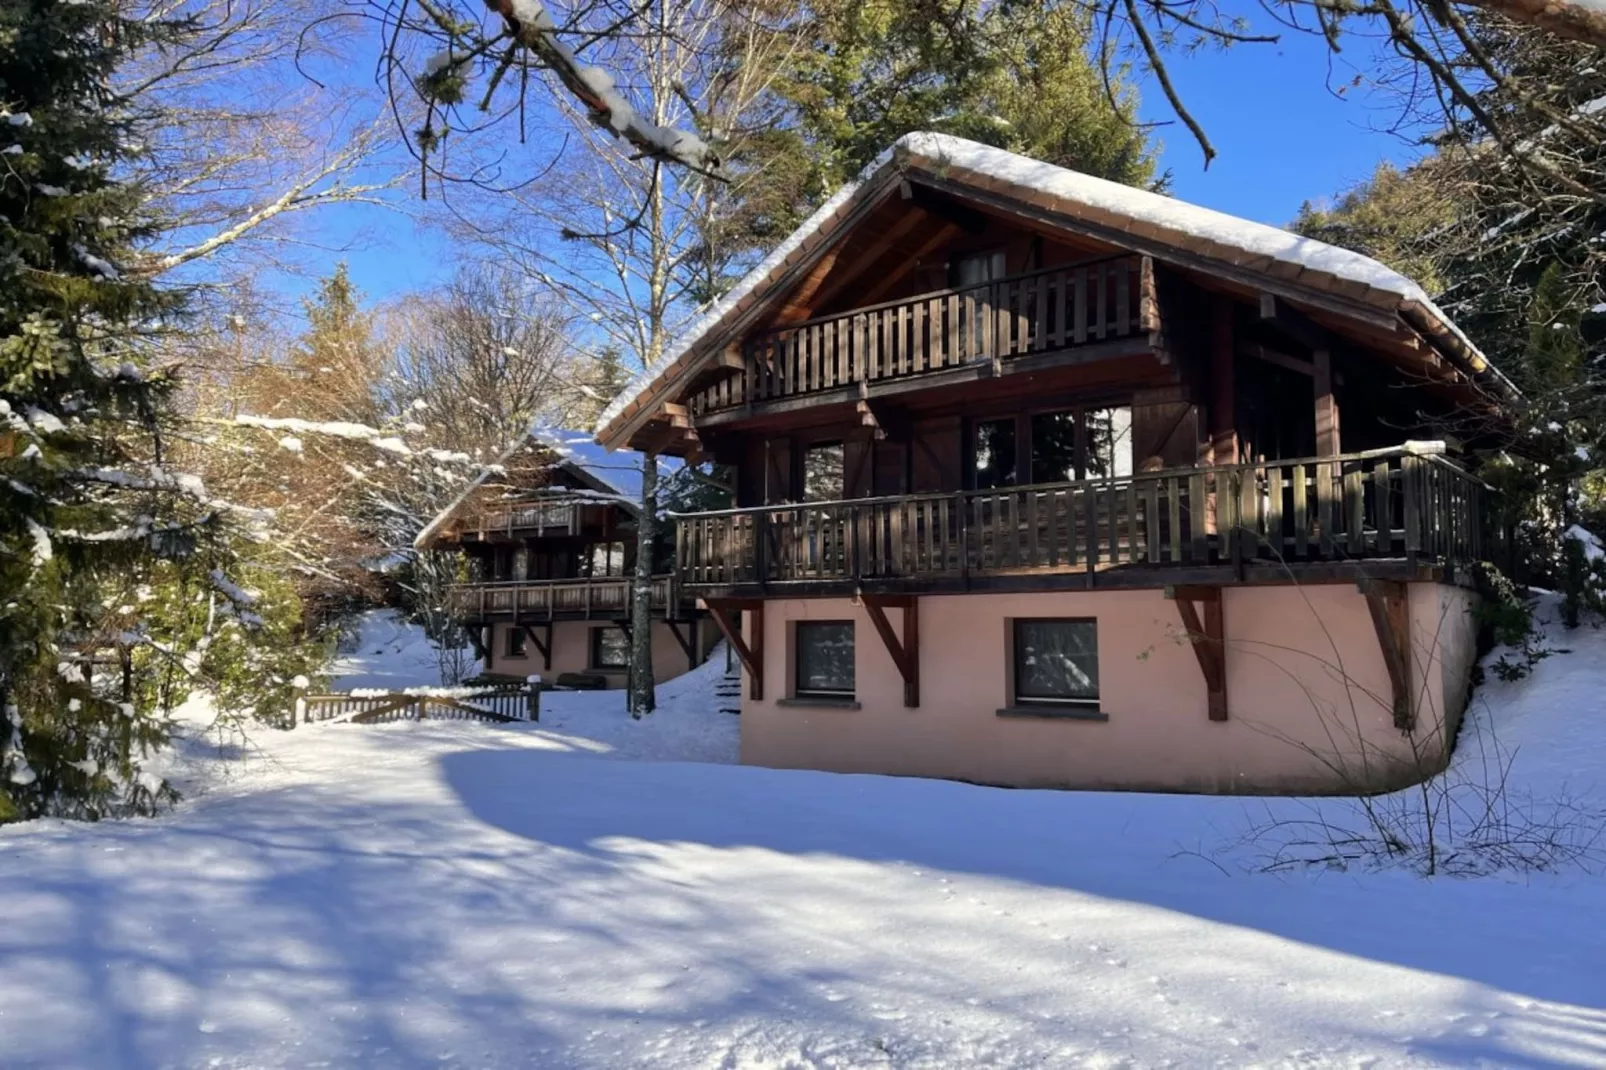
1382	504
1043	311
500	704
535	599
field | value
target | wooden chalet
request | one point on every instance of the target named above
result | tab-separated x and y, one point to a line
549	549
1044	480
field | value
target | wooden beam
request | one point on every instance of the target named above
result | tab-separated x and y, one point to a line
1280	359
905	654
949	209
938	237
752	657
854	270
1208	638
731	357
1295	324
545	648
1391	619
1223	390
1327	436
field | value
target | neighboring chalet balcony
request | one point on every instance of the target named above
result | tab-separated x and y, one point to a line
523	519
602	598
1040	314
1384	514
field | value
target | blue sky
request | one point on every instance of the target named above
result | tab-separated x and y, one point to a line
1282	135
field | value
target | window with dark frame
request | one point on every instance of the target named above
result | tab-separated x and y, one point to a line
515	642
1056	662
824	658
1093	443
824	471
610	648
992	454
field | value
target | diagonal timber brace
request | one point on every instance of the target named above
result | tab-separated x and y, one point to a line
1386	600
540	636
726	613
1200	609
905	654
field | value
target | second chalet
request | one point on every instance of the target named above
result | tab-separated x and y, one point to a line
1047	481
548	539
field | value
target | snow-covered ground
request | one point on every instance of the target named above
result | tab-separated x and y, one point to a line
385	651
472	895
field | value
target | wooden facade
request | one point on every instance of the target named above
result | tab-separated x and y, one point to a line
979	404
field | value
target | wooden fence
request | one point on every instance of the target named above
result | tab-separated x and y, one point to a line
500	704
1382	504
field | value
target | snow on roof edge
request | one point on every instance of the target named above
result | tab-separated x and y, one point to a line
562	442
1102	194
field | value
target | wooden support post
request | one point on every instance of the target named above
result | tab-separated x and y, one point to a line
1327	438
1208	638
905	654
1390	609
752	657
1223	389
544	646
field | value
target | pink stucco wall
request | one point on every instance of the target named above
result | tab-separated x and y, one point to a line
1308	695
571	651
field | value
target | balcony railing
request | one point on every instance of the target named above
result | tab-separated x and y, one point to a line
507	518
606	597
1387	504
1041	312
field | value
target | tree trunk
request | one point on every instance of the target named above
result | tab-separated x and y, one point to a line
641	699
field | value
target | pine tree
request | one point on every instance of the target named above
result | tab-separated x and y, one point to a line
85	501
1019	77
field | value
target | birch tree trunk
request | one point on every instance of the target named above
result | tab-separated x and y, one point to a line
641	698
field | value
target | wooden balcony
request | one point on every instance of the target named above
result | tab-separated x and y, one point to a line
521	519
572	599
1044	312
1383	514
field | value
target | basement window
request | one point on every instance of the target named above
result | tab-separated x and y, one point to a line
824	658
515	642
610	648
1056	662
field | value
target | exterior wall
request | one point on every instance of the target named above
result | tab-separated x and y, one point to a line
1308	695
571	651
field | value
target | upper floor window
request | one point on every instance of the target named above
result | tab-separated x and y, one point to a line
1082	444
993	453
607	559
977	268
823	473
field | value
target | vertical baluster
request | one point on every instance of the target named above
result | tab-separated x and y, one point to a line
1274	510
1079	308
1198	503
951	347
1040	315
1355	509
1382	519
1101	307
1173	493
1326	479
1123	311
1151	521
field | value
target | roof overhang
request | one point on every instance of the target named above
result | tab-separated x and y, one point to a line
1302	270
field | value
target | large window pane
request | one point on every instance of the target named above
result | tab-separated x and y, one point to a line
1053	447
993	454
822	473
1109	442
824	657
1056	661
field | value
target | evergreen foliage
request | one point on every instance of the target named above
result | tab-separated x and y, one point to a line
1017	76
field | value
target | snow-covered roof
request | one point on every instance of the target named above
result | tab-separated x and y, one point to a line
1159	222
604	475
